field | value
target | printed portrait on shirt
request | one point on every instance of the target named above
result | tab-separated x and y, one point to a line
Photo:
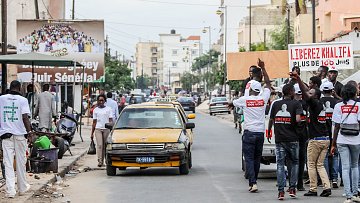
283	115
322	115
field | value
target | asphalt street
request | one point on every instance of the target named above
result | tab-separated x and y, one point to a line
216	176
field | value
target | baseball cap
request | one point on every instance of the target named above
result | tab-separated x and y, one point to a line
255	86
333	68
297	89
327	86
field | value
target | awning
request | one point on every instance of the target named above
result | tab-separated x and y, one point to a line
37	59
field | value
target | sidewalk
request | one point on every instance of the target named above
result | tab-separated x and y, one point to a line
40	181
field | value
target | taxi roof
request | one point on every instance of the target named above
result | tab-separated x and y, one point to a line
152	105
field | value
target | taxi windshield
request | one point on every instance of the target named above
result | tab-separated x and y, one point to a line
146	118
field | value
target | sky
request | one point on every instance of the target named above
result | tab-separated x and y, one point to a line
130	21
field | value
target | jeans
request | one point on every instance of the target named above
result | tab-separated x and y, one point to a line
331	164
287	151
252	146
316	152
349	159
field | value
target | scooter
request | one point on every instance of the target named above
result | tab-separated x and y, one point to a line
67	126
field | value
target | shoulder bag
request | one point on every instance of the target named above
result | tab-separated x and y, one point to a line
349	129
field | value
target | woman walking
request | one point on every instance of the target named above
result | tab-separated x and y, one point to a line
346	139
102	114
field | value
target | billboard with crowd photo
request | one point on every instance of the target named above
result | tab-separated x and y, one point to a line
79	40
310	56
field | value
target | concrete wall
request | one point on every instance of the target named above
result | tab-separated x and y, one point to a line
303	29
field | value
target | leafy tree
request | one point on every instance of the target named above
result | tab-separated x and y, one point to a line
279	37
242	49
117	76
188	80
143	82
259	47
203	61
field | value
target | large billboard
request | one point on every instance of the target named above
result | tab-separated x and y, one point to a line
79	40
310	56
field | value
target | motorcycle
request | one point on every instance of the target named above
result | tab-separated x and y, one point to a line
67	126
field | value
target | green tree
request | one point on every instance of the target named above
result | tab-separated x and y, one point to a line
259	47
203	61
143	82
242	49
279	37
188	80
117	76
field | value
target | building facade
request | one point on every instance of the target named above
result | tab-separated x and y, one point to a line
176	57
264	19
147	58
333	16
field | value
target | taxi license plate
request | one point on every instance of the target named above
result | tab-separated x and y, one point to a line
145	159
219	104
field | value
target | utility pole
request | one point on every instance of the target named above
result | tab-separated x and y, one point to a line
250	26
22	9
142	76
209	66
313	21
265	37
3	44
169	79
73	10
288	23
36	9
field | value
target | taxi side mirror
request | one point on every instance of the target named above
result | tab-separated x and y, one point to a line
190	125
191	116
109	126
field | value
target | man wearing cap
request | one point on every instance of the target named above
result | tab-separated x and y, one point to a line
329	102
254	107
319	139
256	76
332	77
243	85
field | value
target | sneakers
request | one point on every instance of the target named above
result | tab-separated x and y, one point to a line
335	184
348	201
26	190
11	196
355	199
292	193
253	188
281	196
326	193
310	193
301	188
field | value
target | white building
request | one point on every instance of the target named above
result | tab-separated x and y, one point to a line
176	57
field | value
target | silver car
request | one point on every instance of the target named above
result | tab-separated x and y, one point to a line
218	105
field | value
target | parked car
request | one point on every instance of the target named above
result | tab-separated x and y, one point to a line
187	103
218	105
150	135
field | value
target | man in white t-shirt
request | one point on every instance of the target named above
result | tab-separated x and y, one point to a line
113	105
256	76
254	107
14	126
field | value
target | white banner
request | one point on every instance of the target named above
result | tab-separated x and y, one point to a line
310	56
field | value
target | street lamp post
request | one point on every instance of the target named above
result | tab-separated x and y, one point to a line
209	63
219	12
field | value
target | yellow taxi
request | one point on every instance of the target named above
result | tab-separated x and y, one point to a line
155	134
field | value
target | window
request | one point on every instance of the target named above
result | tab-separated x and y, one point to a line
174	52
153	50
174	64
194	52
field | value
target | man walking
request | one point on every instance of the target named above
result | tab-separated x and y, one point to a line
319	138
331	163
45	109
332	77
14	125
286	138
113	105
254	126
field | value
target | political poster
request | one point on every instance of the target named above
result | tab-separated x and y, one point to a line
310	56
79	40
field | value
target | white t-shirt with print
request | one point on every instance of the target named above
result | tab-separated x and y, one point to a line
254	110
341	110
12	107
102	116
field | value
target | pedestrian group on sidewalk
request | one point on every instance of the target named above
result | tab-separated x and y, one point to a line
316	125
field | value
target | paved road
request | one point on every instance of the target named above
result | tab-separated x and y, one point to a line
216	176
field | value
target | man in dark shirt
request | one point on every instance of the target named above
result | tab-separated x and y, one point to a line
243	85
285	114
332	77
331	163
302	132
319	138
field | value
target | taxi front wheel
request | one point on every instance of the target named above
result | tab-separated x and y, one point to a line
184	168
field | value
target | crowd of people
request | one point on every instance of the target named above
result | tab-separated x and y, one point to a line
51	38
316	127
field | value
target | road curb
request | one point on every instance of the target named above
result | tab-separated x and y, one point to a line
62	171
